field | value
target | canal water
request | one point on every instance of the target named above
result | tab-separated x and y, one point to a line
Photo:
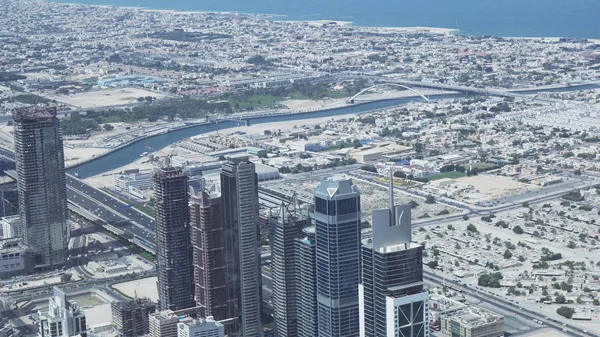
131	152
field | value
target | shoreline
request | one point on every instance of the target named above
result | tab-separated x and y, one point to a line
343	23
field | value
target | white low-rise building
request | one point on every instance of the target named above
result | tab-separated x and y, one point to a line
203	327
63	319
11	226
12	258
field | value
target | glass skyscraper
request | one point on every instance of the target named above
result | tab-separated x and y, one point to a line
239	193
337	222
306	282
392	299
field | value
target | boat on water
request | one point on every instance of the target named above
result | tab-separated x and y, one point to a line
143	154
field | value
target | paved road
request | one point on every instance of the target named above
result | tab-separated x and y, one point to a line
506	305
112	210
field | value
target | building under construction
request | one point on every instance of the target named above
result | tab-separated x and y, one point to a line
130	318
173	244
41	183
206	221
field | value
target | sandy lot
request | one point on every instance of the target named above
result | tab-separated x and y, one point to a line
146	287
108	97
481	188
99	314
492	185
77	155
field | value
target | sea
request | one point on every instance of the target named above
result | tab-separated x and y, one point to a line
514	18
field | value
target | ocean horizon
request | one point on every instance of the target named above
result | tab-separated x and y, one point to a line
514	18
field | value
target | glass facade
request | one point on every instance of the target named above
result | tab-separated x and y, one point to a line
396	270
337	219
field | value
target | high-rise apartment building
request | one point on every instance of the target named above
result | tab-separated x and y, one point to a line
306	283
63	318
173	243
131	318
239	193
206	221
392	299
286	229
41	185
337	222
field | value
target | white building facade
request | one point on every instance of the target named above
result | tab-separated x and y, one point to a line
63	319
203	327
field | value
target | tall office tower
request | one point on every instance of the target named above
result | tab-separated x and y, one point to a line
130	318
337	222
239	193
42	185
63	318
173	243
306	283
286	229
392	299
206	221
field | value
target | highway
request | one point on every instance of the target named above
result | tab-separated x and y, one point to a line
510	306
110	209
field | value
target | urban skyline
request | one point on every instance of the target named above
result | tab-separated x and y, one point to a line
175	173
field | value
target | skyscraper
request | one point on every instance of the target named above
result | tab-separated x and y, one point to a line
337	222
173	243
283	266
306	283
392	299
206	220
239	193
41	185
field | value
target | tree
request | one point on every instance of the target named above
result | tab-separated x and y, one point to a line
471	228
107	127
571	245
507	254
566	312
491	280
430	199
518	230
399	174
525	204
369	168
65	278
413	204
432	264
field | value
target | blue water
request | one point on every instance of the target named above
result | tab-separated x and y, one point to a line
132	152
540	18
